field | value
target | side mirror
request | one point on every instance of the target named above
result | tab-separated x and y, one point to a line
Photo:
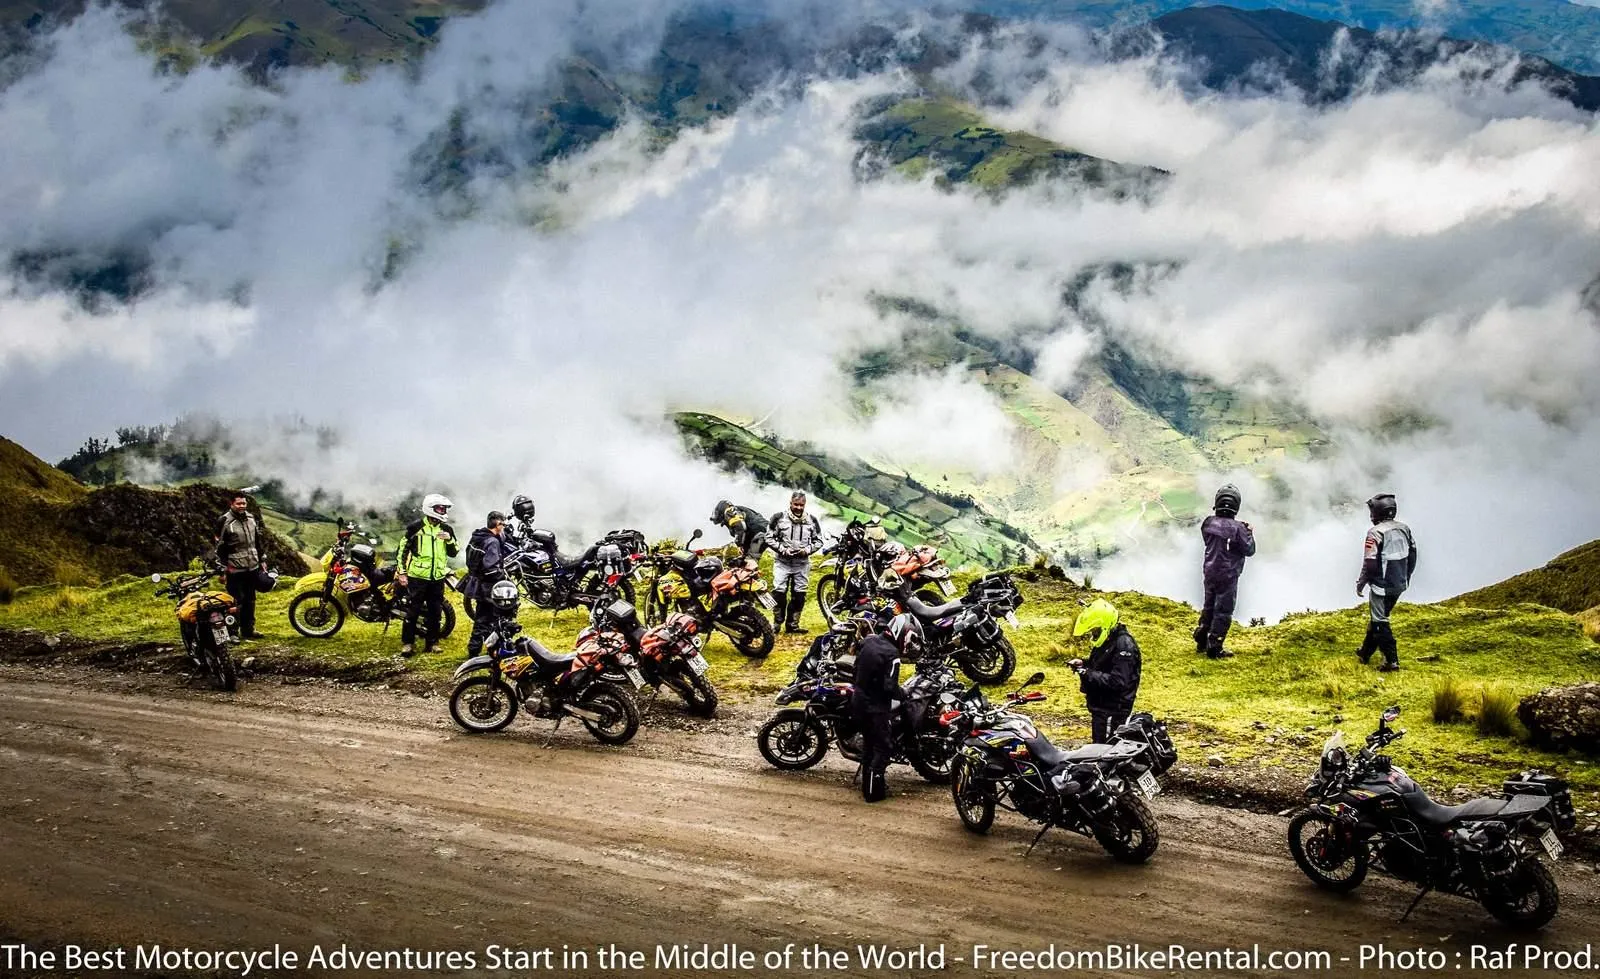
1392	714
156	578
1036	678
696	535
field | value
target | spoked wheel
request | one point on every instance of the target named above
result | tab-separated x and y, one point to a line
792	741
974	798
315	615
617	709
696	691
1528	899
220	665
932	759
1325	853
750	631
828	591
483	704
990	665
1132	836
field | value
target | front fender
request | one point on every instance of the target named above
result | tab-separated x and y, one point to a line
472	665
310	582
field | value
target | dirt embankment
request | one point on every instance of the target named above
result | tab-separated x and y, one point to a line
140	811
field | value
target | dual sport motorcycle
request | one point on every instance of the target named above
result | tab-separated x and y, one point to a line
721	598
352	582
205	621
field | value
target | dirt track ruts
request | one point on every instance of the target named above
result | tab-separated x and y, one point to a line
138	811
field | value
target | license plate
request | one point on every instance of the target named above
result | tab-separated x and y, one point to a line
1011	617
766	600
1148	785
221	635
947	587
1552	845
635	676
698	664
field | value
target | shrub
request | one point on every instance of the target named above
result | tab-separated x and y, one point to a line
1449	700
8	588
1498	713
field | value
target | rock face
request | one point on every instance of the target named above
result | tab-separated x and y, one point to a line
1564	717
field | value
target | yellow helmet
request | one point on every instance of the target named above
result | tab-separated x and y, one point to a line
1097	621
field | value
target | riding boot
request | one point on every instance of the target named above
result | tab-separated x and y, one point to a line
797	604
1369	645
1200	634
1386	643
779	608
874	787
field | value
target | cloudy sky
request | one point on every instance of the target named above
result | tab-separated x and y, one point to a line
1418	254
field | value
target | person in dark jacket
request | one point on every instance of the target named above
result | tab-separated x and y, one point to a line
1228	542
877	696
746	524
242	552
1388	560
486	553
1110	678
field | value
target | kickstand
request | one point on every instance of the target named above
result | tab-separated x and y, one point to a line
1416	901
856	775
1043	830
551	739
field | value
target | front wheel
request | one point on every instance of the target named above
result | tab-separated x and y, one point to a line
792	740
315	615
619	714
1528	899
974	798
696	691
750	631
1326	853
1132	836
483	704
992	664
828	591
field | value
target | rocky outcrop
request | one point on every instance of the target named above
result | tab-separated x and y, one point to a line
1564	717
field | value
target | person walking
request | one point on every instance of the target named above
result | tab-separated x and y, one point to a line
794	535
1229	541
242	552
486	552
1110	678
1388	560
747	527
424	563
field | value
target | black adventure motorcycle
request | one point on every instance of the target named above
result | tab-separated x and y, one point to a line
556	581
968	630
1367	812
1099	790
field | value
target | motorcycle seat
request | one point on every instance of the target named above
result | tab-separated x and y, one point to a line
566	561
1434	814
1048	754
931	613
546	657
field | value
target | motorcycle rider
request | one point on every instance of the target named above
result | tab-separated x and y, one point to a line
1228	542
522	508
794	535
1110	678
485	552
1389	559
242	552
747	526
423	564
877	696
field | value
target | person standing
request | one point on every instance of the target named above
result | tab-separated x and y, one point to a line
876	697
747	527
1228	542
794	536
1110	678
485	556
424	562
1388	560
243	555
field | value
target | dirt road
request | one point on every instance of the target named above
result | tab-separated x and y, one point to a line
138	811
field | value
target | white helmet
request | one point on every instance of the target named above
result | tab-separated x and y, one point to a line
437	506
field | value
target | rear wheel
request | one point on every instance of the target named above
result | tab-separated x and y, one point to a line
220	666
315	615
974	798
750	631
1528	900
1326	853
619	714
1132	836
932	759
792	740
828	591
482	704
993	664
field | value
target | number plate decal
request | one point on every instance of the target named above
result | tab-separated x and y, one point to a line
636	676
698	664
767	600
221	635
1552	845
946	587
1148	785
1011	617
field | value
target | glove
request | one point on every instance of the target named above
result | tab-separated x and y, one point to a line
1076	665
1361	587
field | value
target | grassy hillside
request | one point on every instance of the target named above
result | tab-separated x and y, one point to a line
1570	583
1267	711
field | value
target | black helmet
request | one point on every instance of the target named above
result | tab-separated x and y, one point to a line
906	632
503	596
522	507
1227	500
1382	507
719	513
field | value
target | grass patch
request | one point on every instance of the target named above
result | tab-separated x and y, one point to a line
1497	712
1449	700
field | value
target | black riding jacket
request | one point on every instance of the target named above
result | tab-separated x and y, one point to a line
1110	679
877	675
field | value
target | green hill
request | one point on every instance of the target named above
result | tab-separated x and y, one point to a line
1571	583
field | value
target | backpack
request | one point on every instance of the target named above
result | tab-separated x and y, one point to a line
475	551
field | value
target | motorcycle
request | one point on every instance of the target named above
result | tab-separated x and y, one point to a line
721	598
966	630
1099	790
853	563
555	581
352	582
816	713
1367	811
205	621
518	672
668	654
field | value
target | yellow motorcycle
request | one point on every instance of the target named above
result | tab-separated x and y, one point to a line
205	620
352	582
720	597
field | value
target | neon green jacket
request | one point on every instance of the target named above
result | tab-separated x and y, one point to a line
425	554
